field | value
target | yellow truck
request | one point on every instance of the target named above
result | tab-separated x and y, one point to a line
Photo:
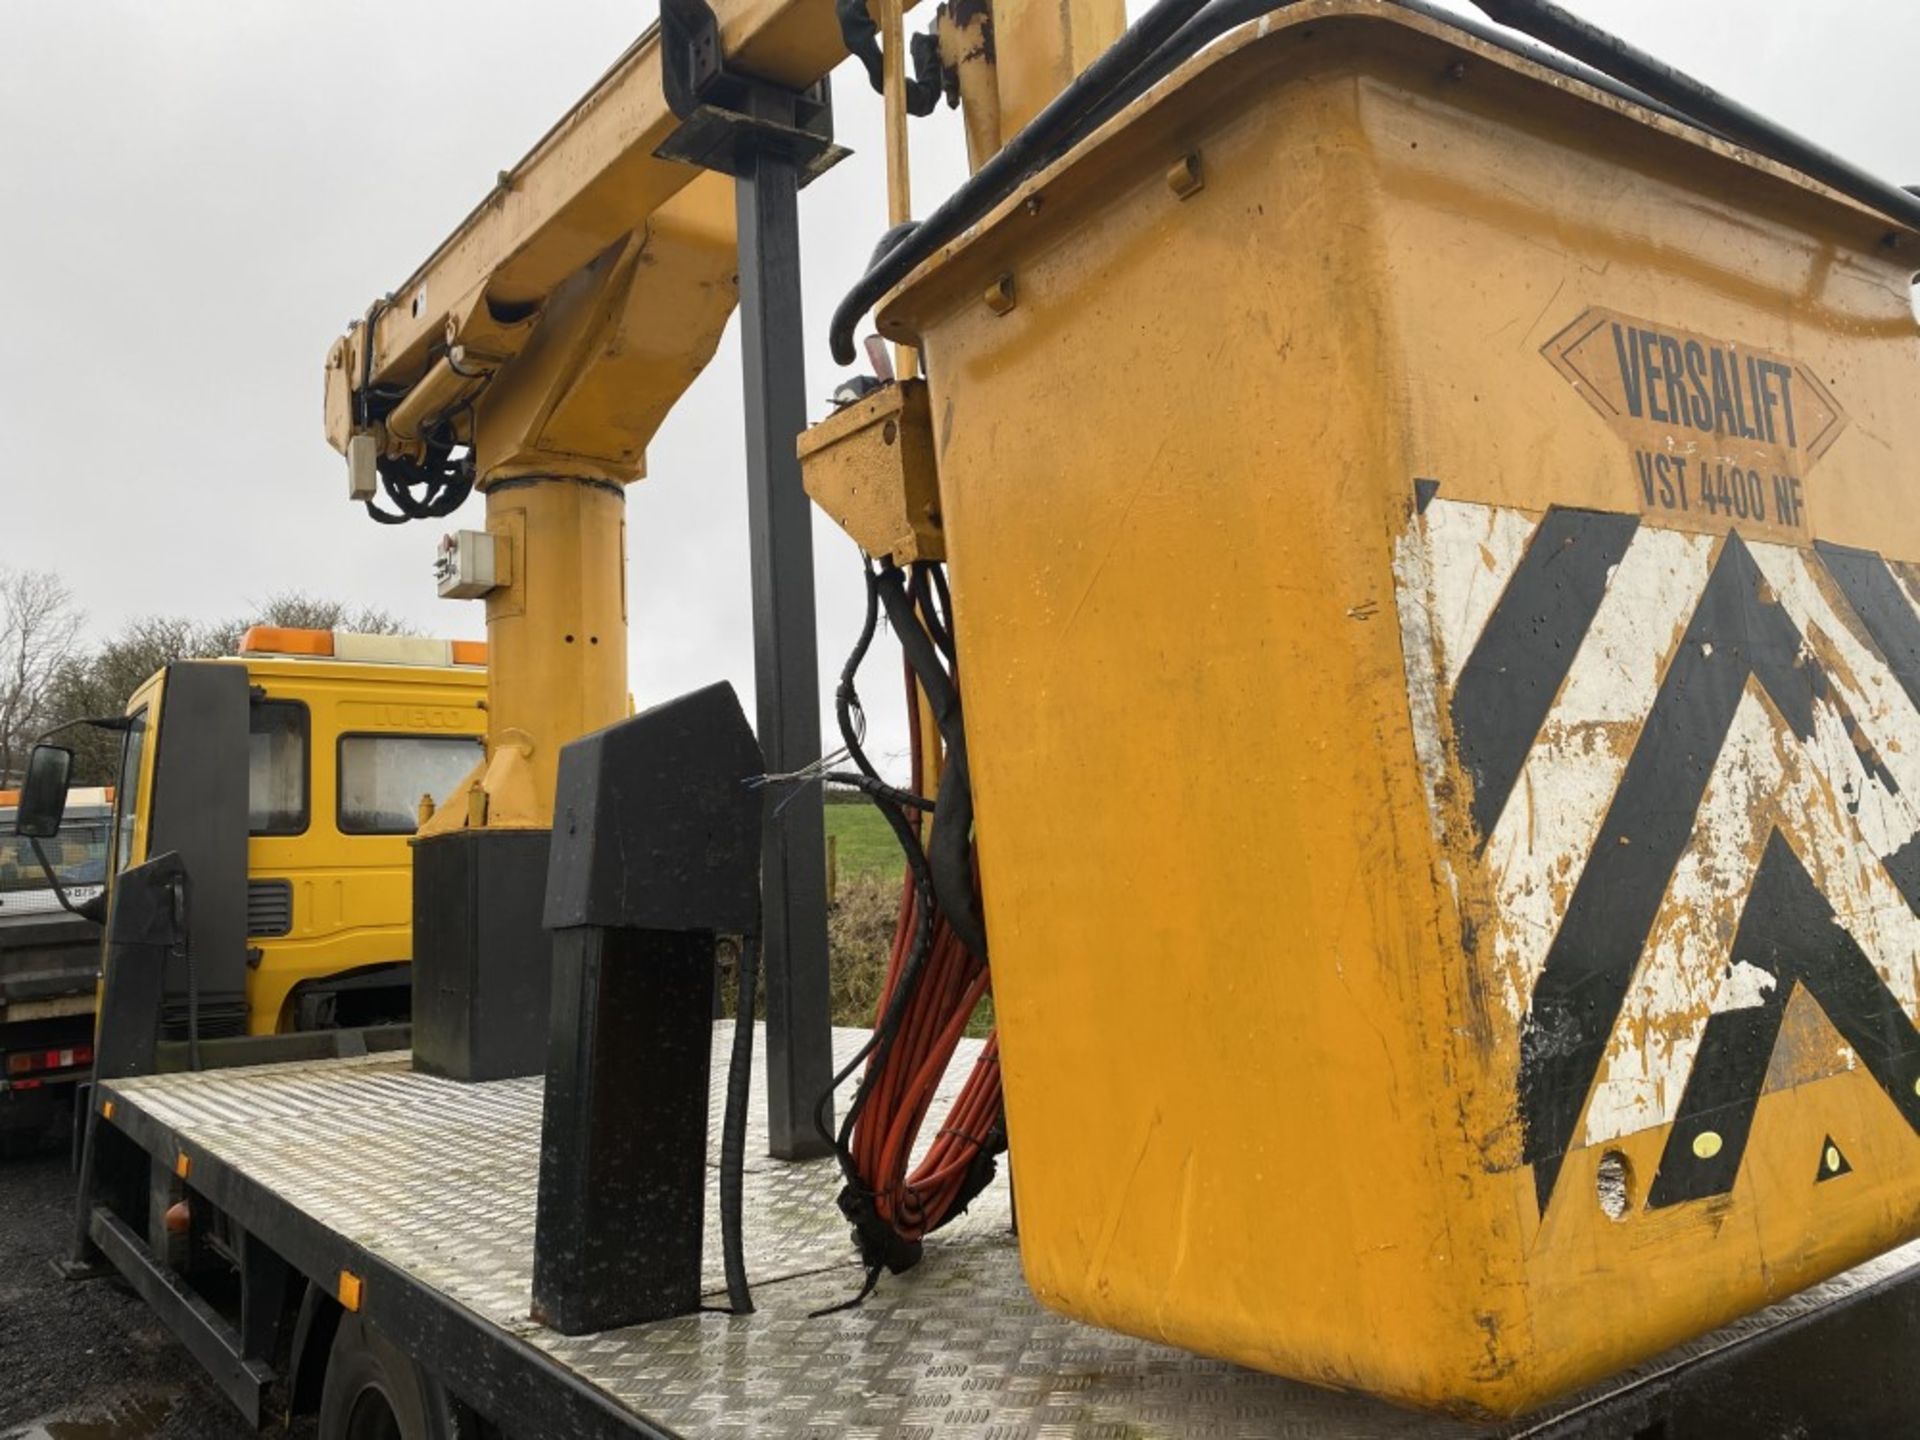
290	778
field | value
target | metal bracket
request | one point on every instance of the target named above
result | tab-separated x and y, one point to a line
726	117
656	847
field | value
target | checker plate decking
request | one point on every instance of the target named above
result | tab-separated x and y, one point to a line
437	1179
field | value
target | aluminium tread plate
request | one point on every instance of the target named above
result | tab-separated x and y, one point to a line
437	1179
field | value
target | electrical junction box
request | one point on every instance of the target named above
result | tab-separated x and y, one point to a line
870	466
363	467
470	563
1441	659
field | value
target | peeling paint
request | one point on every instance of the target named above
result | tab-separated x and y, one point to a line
1838	793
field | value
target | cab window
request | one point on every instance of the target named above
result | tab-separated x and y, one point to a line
382	778
277	768
127	795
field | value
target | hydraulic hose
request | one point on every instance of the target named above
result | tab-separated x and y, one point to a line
950	854
733	1130
1221	16
1609	54
950	847
846	695
998	178
934	981
942	982
1177	29
444	485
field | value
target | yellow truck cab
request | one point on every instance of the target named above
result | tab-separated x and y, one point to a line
290	779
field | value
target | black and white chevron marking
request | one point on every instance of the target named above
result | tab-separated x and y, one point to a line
1693	763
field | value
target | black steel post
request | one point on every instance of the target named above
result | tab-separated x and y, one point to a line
786	654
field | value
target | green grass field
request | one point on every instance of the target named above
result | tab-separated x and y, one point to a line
862	842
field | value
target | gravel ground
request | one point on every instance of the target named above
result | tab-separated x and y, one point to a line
86	1361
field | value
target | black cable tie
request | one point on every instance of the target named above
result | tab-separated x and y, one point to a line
880	1244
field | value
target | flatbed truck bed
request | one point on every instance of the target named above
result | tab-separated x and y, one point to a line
413	1197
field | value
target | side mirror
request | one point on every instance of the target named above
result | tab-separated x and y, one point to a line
43	798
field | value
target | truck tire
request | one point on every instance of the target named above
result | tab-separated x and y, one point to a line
373	1391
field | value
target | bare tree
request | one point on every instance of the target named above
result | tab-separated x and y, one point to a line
39	630
297	610
97	682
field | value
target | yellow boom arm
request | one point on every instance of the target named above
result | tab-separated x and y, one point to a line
592	180
552	333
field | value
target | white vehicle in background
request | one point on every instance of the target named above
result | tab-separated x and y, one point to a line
78	856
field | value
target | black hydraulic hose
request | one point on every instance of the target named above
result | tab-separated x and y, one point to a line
878	789
943	699
997	178
1148	51
890	802
443	482
1548	23
950	854
846	697
1220	16
938	574
1550	59
733	1130
881	1246
862	39
846	700
1213	21
1140	60
950	847
935	612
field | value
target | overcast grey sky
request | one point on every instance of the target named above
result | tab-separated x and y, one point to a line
199	194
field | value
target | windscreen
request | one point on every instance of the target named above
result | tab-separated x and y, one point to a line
78	855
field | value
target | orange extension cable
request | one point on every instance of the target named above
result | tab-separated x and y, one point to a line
904	1077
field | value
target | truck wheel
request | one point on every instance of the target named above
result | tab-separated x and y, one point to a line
374	1392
